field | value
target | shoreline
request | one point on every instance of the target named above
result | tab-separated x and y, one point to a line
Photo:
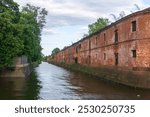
131	78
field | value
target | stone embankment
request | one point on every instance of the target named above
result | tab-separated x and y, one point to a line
136	79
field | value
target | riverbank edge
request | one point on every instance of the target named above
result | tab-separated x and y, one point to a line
19	71
136	79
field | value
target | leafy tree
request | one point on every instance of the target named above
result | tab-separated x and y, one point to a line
99	24
20	32
32	22
10	43
55	51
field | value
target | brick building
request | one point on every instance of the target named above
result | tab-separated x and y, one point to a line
121	51
124	43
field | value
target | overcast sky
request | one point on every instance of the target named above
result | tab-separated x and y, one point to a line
68	20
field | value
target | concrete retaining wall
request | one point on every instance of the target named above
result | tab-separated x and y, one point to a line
18	71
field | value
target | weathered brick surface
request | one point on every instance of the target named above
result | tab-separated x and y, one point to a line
99	49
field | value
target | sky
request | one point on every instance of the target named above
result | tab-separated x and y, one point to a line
68	20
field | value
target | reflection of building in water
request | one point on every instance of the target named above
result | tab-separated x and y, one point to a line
88	87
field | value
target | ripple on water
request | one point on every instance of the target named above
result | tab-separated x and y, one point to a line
51	82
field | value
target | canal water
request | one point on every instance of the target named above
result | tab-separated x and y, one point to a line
52	82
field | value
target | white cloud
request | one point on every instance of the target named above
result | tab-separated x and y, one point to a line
77	12
68	20
49	31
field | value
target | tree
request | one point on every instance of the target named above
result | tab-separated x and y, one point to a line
99	24
32	22
10	43
20	32
55	51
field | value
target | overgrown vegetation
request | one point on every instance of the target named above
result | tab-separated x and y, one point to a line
55	51
99	24
20	32
96	26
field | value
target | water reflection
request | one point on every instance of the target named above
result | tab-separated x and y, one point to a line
20	88
11	88
33	87
94	88
51	82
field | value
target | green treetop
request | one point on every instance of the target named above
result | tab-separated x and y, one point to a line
99	24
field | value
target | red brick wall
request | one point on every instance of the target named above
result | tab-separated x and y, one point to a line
100	48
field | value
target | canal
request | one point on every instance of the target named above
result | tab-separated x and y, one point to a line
48	81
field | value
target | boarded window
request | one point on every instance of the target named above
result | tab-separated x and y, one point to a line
96	40
116	36
104	56
116	59
89	44
133	26
79	46
76	60
77	49
89	59
104	37
134	53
